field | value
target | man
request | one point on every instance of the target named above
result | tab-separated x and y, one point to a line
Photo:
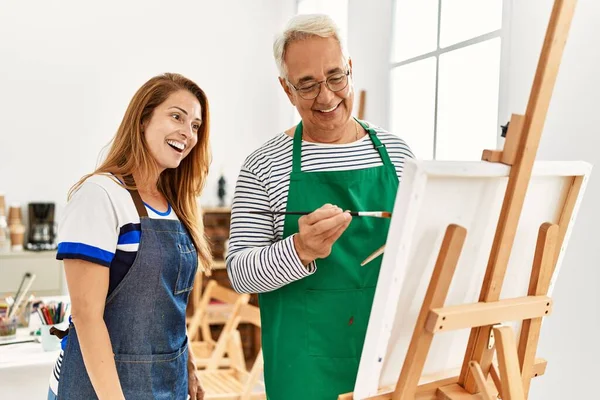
314	296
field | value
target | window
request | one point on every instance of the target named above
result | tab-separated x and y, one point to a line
336	9
445	76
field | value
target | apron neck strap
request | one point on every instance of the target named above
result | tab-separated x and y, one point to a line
135	195
380	147
297	152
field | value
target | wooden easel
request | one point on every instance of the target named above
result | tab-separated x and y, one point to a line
516	363
362	99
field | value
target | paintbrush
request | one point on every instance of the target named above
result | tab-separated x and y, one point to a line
26	282
375	214
373	256
11	306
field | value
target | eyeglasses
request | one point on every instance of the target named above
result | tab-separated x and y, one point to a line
310	90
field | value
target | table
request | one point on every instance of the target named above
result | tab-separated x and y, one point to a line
25	369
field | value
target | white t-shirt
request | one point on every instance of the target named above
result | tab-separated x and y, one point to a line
100	224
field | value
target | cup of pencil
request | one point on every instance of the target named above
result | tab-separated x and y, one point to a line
52	314
8	328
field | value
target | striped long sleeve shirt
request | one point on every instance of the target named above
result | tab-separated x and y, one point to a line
258	258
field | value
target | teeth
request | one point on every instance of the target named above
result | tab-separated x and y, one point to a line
173	143
330	110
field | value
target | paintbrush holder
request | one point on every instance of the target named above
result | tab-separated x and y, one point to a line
49	341
8	328
23	314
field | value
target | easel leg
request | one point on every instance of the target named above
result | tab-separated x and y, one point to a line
508	362
434	298
496	378
541	274
480	380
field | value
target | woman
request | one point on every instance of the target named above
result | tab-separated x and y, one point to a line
131	241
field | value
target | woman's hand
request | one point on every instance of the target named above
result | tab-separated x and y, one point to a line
194	386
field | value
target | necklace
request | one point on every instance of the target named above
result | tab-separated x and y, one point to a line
356	128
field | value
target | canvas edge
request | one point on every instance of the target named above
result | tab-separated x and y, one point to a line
481	169
407	205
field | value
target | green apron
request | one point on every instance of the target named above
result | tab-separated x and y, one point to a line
313	329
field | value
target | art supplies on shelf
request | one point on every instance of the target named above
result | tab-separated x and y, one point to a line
53	316
52	313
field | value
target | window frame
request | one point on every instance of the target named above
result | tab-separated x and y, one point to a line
502	33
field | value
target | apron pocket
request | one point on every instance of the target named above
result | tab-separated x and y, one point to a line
153	376
188	264
333	317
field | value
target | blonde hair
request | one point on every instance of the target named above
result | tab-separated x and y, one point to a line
181	186
301	27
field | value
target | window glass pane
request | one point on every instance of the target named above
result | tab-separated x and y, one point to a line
468	101
413	105
465	19
415	28
336	9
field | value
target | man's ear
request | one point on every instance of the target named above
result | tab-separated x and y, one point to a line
287	90
350	65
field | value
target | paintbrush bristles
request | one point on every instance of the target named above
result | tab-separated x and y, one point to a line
377	214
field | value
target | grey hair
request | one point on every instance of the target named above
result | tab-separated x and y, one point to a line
301	27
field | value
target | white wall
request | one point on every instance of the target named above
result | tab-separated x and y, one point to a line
569	337
369	44
68	70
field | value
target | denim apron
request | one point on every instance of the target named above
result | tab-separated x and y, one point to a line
313	329
145	317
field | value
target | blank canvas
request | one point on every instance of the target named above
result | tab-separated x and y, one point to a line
433	195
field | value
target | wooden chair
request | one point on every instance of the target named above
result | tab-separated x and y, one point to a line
202	345
235	383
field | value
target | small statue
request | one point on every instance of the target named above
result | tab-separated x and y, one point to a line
222	192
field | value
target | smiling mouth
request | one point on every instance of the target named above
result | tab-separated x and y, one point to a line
329	110
177	146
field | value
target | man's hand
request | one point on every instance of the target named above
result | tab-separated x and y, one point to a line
194	386
318	231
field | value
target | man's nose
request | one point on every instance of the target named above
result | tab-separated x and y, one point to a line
325	95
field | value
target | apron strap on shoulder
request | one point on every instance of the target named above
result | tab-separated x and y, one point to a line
135	195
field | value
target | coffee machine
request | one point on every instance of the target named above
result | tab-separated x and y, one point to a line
42	228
